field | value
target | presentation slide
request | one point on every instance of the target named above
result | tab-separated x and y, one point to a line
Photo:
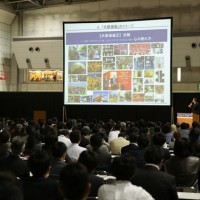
118	63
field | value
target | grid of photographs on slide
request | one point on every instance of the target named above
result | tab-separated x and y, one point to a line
116	73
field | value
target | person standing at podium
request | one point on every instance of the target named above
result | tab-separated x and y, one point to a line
194	106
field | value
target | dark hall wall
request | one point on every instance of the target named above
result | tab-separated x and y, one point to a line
23	104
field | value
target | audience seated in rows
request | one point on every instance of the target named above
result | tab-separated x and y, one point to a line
49	133
123	168
159	184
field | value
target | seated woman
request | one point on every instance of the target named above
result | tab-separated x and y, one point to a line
183	166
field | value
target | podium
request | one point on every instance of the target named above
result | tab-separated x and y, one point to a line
39	115
187	118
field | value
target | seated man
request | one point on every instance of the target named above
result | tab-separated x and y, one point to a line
63	136
9	187
159	184
4	144
183	165
13	162
74	182
103	157
39	186
123	168
133	137
74	150
59	152
89	160
117	144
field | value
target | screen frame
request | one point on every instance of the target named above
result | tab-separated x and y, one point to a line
122	103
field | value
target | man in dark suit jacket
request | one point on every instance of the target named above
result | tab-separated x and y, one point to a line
39	186
133	136
89	160
194	105
13	162
159	184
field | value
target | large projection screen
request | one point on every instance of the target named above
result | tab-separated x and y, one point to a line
118	63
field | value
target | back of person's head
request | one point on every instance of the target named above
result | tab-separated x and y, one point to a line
64	132
59	150
50	139
122	134
196	149
18	127
133	136
159	139
177	135
70	124
96	141
183	125
195	124
123	167
143	141
39	163
109	126
166	128
182	148
195	99
60	125
75	136
85	131
118	126
153	155
74	181
89	160
18	145
173	128
144	130
9	187
157	129
4	137
97	128
194	134
49	122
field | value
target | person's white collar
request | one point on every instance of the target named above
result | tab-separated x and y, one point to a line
153	165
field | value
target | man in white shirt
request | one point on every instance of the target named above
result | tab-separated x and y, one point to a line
123	168
64	137
74	150
114	133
